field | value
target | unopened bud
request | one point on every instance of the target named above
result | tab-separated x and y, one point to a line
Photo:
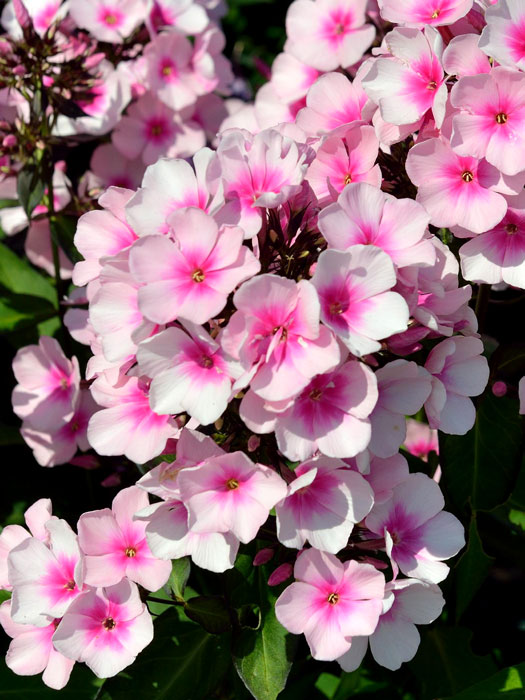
263	556
19	70
499	389
9	141
253	443
281	573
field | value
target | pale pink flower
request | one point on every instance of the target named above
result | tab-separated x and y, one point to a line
115	545
106	628
37	247
260	171
491	118
419	534
330	415
212	70
108	20
169	185
403	389
230	494
421	439
47	392
169	72
109	168
356	303
458	370
32	652
192	277
419	13
189	373
151	129
503	38
328	34
323	503
334	101
410	81
54	447
127	425
331	602
45	578
102	233
396	639
385	474
184	15
458	190
344	158
463	56
277	337
43	14
291	79
35	518
365	215
169	537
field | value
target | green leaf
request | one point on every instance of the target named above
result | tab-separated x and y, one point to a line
21	311
445	663
504	685
471	570
180	573
19	277
482	466
263	657
4	595
183	662
63	229
30	189
9	435
210	612
8	203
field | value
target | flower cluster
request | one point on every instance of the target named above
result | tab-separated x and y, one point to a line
265	311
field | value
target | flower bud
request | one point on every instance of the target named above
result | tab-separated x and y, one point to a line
281	573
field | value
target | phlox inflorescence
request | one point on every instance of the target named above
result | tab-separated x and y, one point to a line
263	314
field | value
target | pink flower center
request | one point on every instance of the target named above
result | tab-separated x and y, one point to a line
64	383
347	179
110	17
432	85
167	70
336	308
333	598
315	395
435	14
502	118
396	539
232	484
70	585
206	362
130	552
109	624
157	130
511	229
467	176
198	276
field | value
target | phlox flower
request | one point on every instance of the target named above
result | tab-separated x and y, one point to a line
419	533
212	70
419	13
37	247
191	277
403	389
115	547
499	254
151	129
323	503
35	518
169	71
277	337
169	537
127	425
396	639
171	184
45	578
230	494
189	373
102	233
421	439
341	159
356	303
333	101
291	79
260	171
184	15
32	652
105	628
384	474
503	37
43	14
329	415
59	446
108	20
48	385
458	190
365	215
109	168
458	371
410	81
491	119
331	602
328	34
464	57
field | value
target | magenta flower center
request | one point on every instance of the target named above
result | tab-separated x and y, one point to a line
348	179
109	624
232	484
432	85
336	307
198	275
315	395
511	229
467	176
206	362
501	118
333	598
130	551
435	14
70	585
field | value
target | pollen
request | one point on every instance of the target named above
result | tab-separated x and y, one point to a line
315	395
432	85
110	19
333	598
467	176
501	118
70	585
435	14
198	276
511	228
348	179
130	552
232	484
336	308
109	624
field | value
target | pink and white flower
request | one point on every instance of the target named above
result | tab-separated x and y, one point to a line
169	71
503	37
108	20
331	602
105	628
420	13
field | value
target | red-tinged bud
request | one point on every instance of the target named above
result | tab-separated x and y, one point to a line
281	573
19	70
85	461
48	81
253	443
93	60
9	141
499	389
263	556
